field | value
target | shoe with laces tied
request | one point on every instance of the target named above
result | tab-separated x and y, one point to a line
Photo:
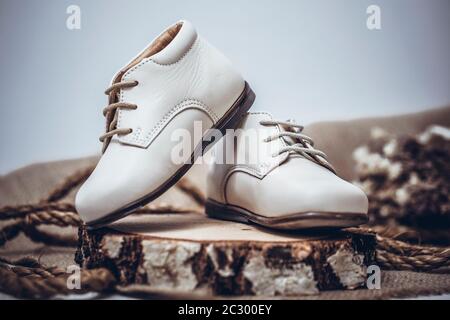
178	82
269	173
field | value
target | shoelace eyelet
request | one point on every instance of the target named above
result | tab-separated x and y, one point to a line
111	114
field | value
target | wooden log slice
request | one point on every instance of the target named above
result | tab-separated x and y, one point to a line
188	252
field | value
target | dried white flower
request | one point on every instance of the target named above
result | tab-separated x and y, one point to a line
390	148
394	170
378	133
425	137
401	196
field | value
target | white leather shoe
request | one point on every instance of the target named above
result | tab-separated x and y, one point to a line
277	179
178	80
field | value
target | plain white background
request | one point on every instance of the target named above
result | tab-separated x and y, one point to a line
308	60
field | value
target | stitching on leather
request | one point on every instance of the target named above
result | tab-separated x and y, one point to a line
119	116
246	168
223	185
258	173
263	165
260	113
268	114
183	105
271	117
231	171
148	60
143	62
183	56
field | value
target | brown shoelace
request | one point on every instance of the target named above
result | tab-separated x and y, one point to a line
110	112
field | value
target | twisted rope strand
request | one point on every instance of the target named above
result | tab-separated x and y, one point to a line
40	283
392	261
29	267
398	255
20	211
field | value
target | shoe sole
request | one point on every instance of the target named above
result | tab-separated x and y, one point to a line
297	221
229	121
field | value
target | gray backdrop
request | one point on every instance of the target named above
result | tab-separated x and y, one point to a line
308	60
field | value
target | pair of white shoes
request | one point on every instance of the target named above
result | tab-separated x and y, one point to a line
267	172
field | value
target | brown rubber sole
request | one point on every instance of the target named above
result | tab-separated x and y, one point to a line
298	221
229	121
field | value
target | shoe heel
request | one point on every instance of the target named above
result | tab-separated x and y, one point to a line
232	118
244	103
216	210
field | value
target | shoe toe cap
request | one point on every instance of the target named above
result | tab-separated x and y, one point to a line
103	194
93	203
318	197
291	190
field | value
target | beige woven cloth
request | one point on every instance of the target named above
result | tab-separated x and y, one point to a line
32	183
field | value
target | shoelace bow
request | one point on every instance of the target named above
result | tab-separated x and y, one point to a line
110	112
305	145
